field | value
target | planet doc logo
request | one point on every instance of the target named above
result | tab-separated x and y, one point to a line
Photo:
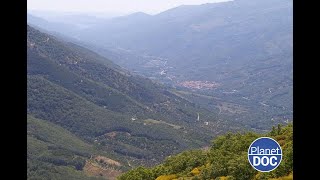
264	154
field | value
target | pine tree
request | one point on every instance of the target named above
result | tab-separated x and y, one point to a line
279	129
273	131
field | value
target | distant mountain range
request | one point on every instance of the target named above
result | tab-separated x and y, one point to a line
243	45
131	90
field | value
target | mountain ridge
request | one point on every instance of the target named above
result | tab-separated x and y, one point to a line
124	114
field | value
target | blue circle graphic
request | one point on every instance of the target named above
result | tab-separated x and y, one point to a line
264	154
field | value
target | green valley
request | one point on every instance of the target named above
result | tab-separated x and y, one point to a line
175	95
105	110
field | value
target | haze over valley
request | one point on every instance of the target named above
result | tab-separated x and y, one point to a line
130	89
244	46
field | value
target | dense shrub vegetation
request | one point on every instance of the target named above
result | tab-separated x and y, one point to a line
226	159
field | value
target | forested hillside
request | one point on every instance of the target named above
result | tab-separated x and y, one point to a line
226	159
55	153
130	119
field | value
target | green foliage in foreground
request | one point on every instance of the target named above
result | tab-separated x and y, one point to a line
226	159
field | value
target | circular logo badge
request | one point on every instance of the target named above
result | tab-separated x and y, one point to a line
264	154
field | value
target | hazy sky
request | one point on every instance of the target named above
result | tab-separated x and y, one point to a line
111	6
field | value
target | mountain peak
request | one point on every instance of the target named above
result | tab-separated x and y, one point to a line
139	14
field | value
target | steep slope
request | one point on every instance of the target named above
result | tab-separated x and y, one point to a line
55	153
75	61
99	102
